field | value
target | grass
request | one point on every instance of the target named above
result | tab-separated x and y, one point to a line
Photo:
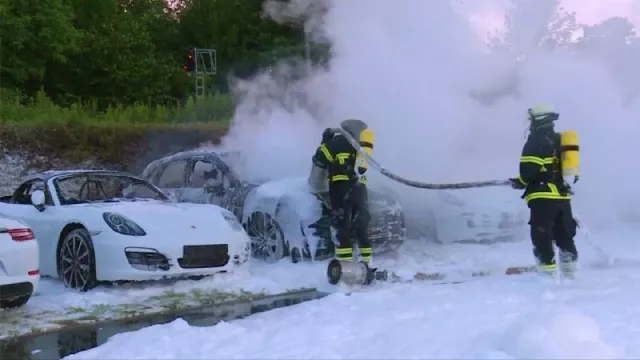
72	310
42	112
55	136
129	310
171	300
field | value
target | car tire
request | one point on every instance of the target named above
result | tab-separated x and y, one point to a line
16	302
77	268
267	237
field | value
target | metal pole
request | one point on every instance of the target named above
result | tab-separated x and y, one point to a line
195	73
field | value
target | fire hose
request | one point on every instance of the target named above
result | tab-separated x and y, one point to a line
359	273
414	183
465	185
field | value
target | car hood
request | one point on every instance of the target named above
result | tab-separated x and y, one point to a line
167	216
278	188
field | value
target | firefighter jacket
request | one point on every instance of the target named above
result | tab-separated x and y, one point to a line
540	167
338	156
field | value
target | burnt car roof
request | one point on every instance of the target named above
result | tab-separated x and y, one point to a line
46	175
222	156
182	154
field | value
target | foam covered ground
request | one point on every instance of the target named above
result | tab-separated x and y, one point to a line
515	317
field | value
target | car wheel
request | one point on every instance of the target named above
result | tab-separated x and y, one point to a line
77	261
267	238
15	302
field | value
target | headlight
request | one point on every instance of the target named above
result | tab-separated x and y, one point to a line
232	220
122	225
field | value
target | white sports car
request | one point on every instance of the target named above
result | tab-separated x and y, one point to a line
99	225
19	266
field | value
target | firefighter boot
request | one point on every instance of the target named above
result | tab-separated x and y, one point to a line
568	265
545	268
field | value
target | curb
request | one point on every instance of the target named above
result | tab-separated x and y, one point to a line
58	343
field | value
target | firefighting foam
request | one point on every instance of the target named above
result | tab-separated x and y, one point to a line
446	106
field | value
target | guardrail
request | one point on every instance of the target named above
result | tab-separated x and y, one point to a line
57	344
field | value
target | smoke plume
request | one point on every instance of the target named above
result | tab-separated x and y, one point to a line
448	105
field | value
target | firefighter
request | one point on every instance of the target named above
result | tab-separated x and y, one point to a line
347	190
547	194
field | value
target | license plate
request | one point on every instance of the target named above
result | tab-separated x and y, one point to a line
204	251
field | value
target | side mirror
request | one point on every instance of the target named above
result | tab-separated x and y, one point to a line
37	199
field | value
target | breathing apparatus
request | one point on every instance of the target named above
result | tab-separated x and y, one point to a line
358	129
542	116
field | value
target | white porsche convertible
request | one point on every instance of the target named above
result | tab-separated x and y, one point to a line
99	225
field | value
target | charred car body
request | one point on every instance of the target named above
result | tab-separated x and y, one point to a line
282	217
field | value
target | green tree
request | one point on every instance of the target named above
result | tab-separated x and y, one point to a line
124	55
35	34
121	52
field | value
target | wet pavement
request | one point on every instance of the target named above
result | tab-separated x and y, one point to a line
59	343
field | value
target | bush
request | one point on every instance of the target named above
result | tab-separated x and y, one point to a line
42	112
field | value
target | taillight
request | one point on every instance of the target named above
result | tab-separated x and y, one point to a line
21	234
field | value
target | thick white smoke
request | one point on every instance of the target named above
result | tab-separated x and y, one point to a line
445	106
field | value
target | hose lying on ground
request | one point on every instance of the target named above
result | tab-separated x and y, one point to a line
413	183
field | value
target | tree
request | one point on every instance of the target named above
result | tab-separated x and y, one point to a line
124	54
36	34
111	52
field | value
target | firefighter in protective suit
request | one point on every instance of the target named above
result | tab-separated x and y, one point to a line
547	194
347	190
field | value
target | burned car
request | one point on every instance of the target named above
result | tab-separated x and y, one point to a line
282	217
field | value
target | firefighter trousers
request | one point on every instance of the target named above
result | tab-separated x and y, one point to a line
350	216
552	220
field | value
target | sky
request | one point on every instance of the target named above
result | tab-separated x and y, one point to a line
485	15
591	11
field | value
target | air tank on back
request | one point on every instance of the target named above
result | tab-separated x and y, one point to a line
319	178
353	127
570	155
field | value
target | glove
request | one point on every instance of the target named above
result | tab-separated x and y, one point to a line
576	178
517	184
327	134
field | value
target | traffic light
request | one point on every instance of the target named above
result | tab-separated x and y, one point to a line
190	61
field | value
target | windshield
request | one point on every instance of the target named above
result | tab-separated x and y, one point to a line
86	188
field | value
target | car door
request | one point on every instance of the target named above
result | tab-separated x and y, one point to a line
206	182
172	178
41	223
199	174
